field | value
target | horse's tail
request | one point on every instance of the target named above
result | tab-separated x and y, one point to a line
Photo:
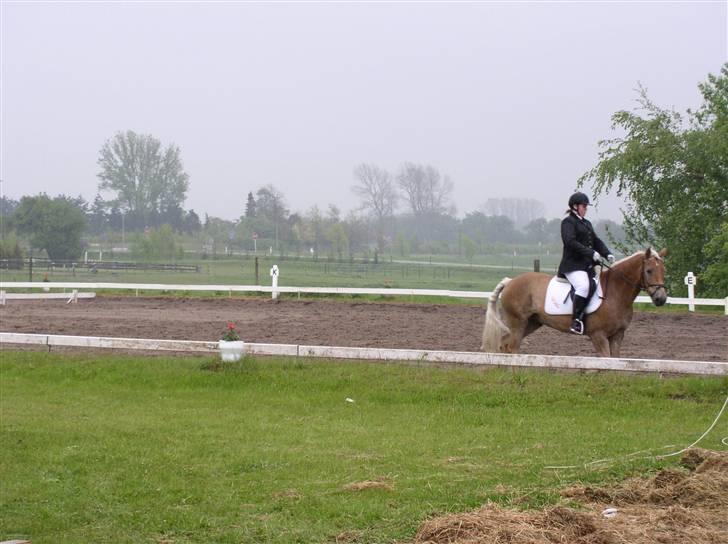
494	328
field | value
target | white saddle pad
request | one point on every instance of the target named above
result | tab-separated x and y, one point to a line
559	290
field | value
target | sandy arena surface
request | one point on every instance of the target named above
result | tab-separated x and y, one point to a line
680	336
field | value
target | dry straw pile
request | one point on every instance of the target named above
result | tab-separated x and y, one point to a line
674	507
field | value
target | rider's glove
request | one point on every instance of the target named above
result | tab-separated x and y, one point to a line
610	258
596	257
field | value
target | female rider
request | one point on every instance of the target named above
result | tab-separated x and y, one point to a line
582	249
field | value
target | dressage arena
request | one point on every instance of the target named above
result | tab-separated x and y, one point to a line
396	325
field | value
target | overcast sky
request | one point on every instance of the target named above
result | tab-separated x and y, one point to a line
509	99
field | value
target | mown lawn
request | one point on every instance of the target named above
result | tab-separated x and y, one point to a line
100	448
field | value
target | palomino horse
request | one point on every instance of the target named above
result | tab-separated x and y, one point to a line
522	308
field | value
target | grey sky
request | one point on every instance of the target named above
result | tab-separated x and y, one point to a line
508	99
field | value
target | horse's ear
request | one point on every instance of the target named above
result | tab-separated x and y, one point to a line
663	252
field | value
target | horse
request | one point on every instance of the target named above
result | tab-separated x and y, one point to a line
523	302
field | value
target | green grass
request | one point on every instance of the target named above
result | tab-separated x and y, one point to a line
303	272
100	448
412	272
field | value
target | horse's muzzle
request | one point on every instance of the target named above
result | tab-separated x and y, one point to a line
659	296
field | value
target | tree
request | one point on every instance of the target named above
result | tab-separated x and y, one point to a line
425	190
250	206
55	225
191	223
216	233
539	230
271	214
11	254
468	247
490	229
378	196
7	206
97	217
674	172
314	229
155	244
610	232
716	271
357	228
149	181
520	210
338	239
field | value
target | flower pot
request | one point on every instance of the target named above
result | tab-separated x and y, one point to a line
230	351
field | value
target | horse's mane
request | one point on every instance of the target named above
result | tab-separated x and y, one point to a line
652	251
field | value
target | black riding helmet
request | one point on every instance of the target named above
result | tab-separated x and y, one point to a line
578	198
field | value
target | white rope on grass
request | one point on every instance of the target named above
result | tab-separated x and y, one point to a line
723	441
701	436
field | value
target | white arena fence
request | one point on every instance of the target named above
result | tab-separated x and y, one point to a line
475	359
69	297
230	289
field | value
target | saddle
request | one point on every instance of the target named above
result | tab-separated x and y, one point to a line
559	297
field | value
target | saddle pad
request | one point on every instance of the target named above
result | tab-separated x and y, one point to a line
558	290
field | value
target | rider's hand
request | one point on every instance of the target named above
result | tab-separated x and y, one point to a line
610	258
596	257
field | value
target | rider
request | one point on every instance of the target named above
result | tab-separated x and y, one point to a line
582	249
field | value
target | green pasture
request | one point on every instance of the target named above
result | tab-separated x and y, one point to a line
418	272
425	273
100	448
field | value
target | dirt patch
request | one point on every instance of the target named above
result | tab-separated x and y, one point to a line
674	506
382	483
696	337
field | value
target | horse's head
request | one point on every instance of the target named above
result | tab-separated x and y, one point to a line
653	276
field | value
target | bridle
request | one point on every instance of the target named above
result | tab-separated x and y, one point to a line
641	285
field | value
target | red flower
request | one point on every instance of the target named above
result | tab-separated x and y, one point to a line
230	335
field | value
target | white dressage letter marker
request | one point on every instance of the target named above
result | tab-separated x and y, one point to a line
691	280
274	275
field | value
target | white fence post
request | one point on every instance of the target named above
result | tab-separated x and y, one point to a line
74	297
274	275
691	281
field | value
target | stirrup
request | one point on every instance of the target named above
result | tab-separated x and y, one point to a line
577	326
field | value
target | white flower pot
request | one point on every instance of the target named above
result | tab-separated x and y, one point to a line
231	351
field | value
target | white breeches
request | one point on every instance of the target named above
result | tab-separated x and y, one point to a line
580	280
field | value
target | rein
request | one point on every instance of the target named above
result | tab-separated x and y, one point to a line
641	285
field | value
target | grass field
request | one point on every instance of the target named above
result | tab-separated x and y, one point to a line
100	448
419	273
482	275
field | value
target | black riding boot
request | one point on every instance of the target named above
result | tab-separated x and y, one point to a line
577	323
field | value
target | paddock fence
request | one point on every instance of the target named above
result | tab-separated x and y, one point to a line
230	289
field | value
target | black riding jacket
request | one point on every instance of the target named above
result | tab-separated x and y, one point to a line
580	243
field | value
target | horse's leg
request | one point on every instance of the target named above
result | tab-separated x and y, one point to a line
601	343
519	328
615	342
533	325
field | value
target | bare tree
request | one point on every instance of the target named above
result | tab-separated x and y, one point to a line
378	195
376	190
425	189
